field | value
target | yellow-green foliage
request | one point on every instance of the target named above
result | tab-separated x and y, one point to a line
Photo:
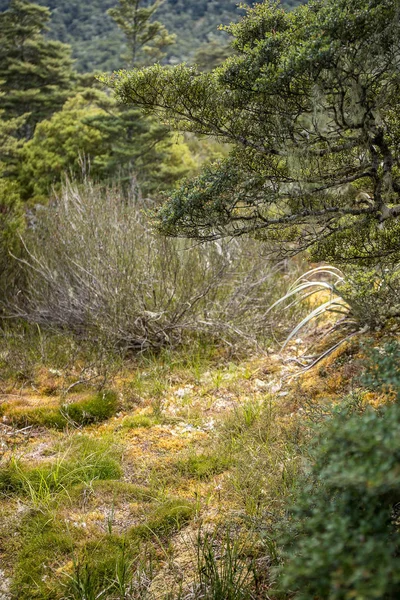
12	224
42	416
45	543
138	421
111	491
60	145
178	162
94	409
56	562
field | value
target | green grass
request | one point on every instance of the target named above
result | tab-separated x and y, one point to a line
83	460
224	569
101	567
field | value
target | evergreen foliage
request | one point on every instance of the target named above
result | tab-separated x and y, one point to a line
96	41
146	39
309	104
342	538
35	73
91	134
11	209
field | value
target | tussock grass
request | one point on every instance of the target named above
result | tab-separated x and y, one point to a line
82	461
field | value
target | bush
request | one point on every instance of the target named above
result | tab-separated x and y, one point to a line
12	223
372	293
94	266
342	538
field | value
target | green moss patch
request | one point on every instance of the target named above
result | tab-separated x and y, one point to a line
138	421
91	409
45	545
94	409
203	466
165	519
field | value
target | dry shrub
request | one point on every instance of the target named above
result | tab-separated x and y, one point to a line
95	266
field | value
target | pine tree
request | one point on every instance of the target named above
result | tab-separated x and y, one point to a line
134	139
146	39
36	73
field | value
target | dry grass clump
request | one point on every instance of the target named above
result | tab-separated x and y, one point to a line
95	267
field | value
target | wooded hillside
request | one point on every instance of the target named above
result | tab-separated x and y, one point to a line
97	42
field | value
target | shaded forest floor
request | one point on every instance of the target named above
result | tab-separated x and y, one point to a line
141	490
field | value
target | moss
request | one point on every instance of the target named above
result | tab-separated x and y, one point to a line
42	416
51	564
138	421
112	491
203	466
165	519
96	564
94	409
45	544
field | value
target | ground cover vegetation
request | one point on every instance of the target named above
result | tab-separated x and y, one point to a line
199	301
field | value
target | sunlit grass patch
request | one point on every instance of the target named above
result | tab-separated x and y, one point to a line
45	545
110	491
81	461
94	409
48	416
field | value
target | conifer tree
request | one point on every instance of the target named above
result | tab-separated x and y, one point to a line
12	219
145	39
132	137
36	73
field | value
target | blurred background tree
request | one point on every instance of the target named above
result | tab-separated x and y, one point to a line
35	72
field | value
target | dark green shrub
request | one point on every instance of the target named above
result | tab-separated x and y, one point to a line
383	369
341	540
372	293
